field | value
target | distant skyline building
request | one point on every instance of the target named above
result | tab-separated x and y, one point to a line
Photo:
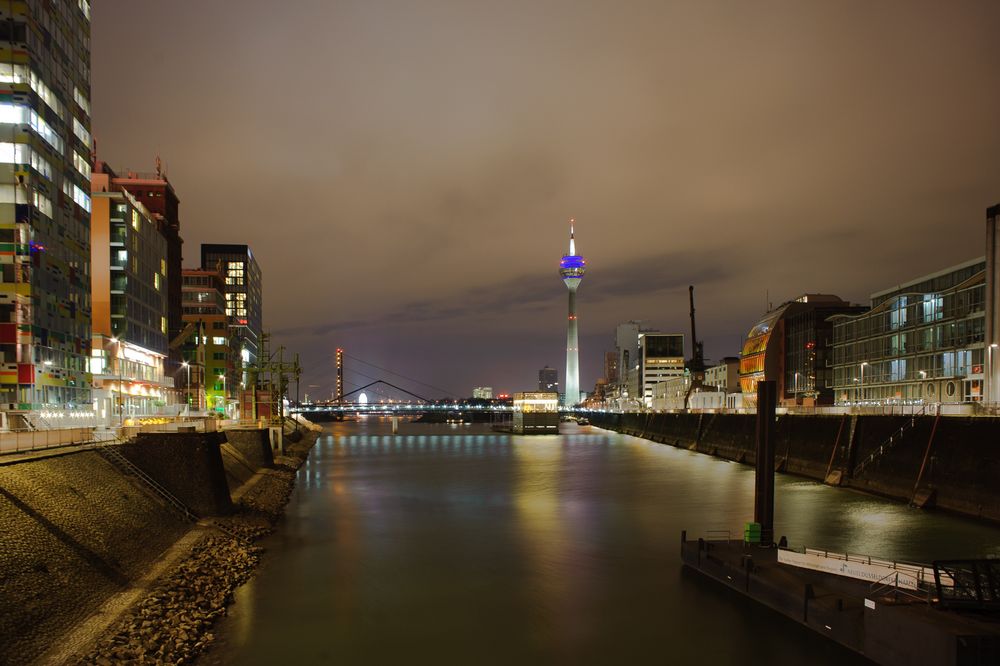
661	359
571	270
548	380
45	307
483	392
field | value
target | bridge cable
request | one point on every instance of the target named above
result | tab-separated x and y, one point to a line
410	379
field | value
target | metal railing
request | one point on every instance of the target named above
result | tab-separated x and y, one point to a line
922	573
114	456
889	444
35	440
891	582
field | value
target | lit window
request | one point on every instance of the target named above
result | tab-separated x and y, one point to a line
13	114
81	198
11	73
82	165
81	132
81	100
43	204
135	220
43	91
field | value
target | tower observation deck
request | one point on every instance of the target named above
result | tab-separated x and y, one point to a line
571	270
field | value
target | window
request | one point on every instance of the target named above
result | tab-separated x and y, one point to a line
81	100
234	272
81	132
218	341
135	220
81	198
45	94
13	114
43	204
12	32
82	165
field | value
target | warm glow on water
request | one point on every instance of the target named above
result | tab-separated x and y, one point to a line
456	545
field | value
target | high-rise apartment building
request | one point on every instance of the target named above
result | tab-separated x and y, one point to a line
157	195
45	146
129	296
244	308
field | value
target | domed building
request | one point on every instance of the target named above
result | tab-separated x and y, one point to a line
790	345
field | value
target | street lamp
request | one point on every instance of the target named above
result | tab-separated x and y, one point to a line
989	377
863	364
121	396
187	385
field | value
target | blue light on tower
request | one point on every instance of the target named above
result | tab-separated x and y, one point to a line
571	269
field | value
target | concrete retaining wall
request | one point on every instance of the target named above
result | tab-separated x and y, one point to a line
962	472
189	465
254	445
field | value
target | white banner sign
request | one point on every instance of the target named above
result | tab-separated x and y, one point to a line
872	573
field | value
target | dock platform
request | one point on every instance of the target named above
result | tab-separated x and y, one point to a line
885	624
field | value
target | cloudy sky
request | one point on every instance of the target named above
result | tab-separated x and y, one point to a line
404	170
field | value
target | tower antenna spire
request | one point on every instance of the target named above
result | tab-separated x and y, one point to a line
572	242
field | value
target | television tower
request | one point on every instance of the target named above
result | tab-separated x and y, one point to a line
571	269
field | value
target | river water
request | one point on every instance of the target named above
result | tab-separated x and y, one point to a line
457	545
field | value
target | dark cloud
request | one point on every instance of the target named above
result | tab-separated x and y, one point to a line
404	170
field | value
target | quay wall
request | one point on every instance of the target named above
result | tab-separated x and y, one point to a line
188	465
960	456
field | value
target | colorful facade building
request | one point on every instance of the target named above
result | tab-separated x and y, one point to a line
45	144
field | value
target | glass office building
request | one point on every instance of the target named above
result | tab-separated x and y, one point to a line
921	341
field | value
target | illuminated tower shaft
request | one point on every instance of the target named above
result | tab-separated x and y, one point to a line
571	269
340	375
572	353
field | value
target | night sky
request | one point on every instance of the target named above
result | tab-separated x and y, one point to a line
404	171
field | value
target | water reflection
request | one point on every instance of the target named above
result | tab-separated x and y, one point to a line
467	546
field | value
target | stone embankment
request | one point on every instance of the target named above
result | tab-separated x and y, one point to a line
948	462
172	625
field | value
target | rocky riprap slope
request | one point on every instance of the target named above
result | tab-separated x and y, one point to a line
172	625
